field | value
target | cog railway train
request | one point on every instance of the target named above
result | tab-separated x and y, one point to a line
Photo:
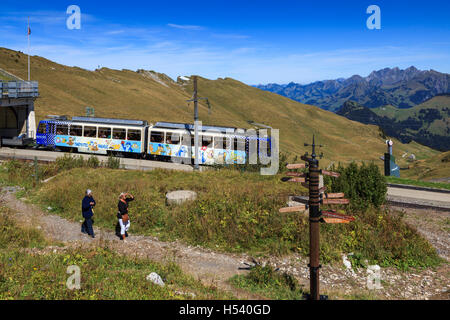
163	141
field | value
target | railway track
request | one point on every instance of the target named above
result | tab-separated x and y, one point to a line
126	163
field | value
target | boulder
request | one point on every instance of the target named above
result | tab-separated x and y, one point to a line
180	197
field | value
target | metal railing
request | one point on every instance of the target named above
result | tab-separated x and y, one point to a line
19	89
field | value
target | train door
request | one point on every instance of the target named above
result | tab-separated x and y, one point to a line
41	136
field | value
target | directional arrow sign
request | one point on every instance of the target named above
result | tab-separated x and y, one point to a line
334	220
334	195
336	201
297	180
331	174
296	174
301	199
293	209
296	166
334	215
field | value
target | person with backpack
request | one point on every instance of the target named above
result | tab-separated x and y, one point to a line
87	205
123	225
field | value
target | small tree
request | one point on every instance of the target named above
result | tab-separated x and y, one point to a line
364	185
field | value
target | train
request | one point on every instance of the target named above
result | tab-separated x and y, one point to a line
163	141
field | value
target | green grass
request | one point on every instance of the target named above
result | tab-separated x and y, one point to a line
267	282
419	183
105	275
235	212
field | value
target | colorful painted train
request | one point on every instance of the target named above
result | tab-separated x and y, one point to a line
162	141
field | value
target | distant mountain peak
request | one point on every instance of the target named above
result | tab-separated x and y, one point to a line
402	88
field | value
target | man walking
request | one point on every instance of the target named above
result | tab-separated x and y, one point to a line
86	207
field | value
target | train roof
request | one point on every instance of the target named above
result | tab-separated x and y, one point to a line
110	121
190	127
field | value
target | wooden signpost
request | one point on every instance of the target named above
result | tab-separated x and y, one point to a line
317	197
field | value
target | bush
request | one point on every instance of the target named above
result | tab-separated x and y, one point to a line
364	185
93	162
113	163
265	280
68	162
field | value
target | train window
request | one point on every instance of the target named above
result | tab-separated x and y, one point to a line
157	137
119	134
207	141
134	135
220	143
239	144
76	131
62	129
90	132
42	128
172	138
104	133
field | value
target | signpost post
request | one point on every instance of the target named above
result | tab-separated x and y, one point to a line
312	180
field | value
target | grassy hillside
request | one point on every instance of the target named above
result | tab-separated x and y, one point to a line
434	114
428	123
436	168
155	97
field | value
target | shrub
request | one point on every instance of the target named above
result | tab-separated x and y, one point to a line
113	163
68	162
265	280
93	162
364	185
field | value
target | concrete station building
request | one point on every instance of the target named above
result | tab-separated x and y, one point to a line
17	117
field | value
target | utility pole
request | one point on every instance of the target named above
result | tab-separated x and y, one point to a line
196	133
29	33
196	159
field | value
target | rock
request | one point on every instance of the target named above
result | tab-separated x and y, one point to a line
156	279
346	262
180	197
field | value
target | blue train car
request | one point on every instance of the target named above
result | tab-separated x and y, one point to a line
217	145
93	135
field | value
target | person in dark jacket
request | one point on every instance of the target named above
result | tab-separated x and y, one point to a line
123	225
86	208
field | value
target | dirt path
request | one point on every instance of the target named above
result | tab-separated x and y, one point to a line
213	268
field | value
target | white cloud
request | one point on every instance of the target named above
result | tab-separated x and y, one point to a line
185	27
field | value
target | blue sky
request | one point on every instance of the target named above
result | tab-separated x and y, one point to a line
251	41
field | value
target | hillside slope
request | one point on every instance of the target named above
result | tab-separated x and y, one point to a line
427	123
155	97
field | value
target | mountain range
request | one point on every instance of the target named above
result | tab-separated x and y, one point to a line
390	86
